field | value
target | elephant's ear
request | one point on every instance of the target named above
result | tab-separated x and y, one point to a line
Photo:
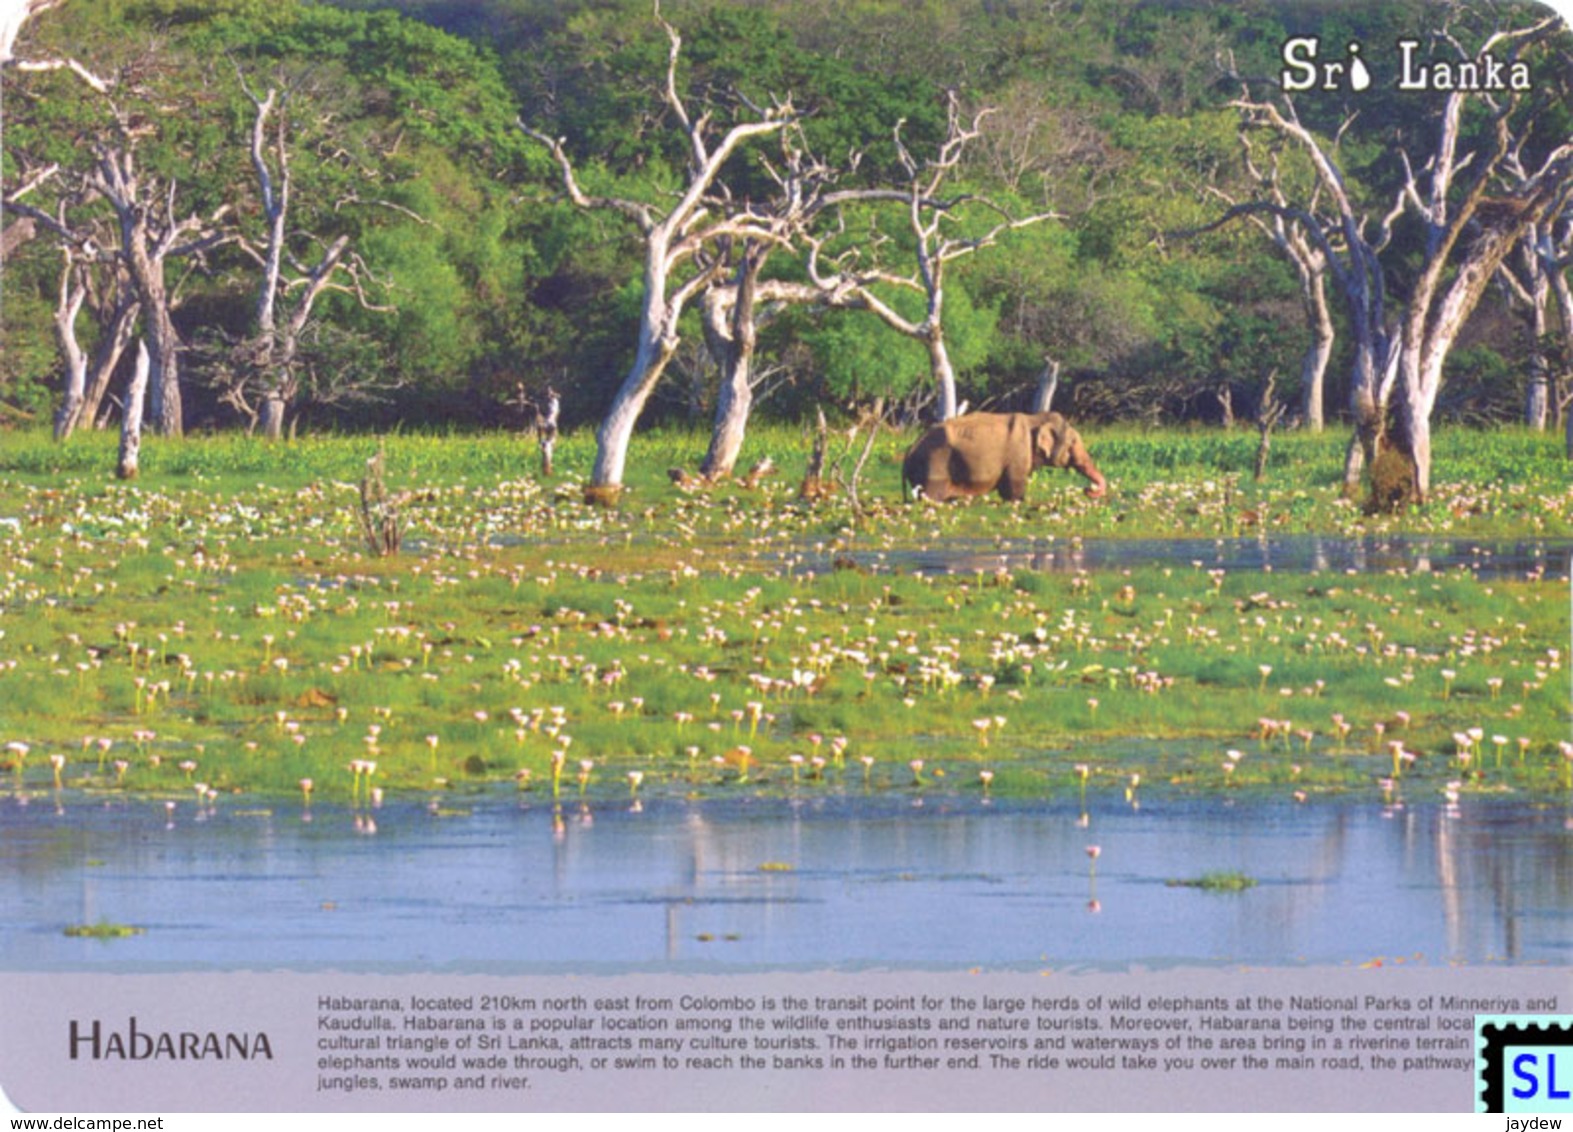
1042	445
1054	441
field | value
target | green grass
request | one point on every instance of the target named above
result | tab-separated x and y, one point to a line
102	930
224	613
1192	481
1216	882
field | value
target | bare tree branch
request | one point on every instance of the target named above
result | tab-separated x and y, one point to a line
1464	248
676	236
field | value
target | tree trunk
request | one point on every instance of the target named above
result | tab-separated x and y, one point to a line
732	341
1415	421
112	343
1048	384
168	415
731	423
944	375
813	485
160	338
70	412
1537	398
1369	387
1313	368
1264	445
72	295
617	430
131	422
1267	415
1354	465
547	421
273	416
657	342
87	380
1432	324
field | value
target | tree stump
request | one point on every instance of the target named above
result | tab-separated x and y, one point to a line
1266	417
546	426
1392	481
756	475
379	511
813	487
603	494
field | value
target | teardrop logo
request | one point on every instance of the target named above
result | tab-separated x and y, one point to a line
1359	76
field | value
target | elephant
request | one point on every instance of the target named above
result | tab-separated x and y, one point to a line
983	452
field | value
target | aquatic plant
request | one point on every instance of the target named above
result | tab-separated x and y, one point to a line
153	616
1216	882
103	929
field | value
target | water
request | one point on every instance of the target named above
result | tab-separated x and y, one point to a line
845	881
1295	553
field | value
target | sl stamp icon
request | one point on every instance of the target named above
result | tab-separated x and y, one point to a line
1524	1064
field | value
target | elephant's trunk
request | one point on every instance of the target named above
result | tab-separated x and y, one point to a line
1097	485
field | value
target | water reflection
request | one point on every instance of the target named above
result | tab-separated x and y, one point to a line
1535	558
818	881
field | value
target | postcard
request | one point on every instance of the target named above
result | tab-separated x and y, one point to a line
775	557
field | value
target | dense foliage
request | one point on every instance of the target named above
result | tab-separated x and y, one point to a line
482	285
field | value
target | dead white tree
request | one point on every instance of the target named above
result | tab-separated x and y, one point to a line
150	231
91	278
104	289
732	335
289	288
678	236
1467	237
1343	237
13	15
931	221
739	297
151	235
1562	293
1529	276
1048	384
1311	267
126	466
1535	276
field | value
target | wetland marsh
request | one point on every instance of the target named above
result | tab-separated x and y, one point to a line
209	671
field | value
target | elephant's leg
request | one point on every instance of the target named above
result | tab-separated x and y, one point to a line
927	478
1013	476
938	489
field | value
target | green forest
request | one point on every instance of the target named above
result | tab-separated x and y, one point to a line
363	216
